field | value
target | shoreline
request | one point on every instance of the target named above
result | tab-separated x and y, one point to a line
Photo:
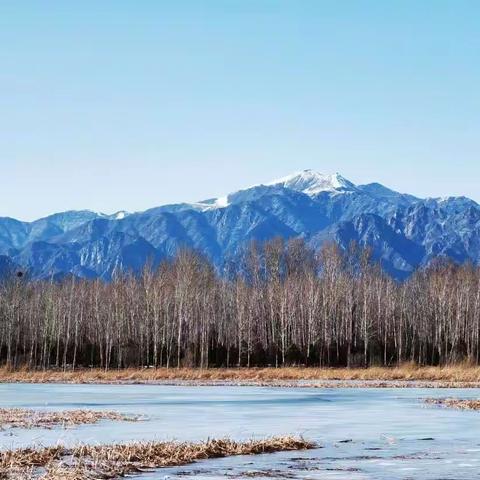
351	384
407	376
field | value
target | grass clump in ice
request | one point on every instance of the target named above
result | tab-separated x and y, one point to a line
116	461
28	418
458	403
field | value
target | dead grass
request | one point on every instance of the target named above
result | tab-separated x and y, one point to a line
27	418
459	404
461	373
116	461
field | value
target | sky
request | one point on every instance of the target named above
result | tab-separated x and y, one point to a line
131	104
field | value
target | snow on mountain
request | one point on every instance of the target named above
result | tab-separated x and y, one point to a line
311	182
120	215
308	182
404	232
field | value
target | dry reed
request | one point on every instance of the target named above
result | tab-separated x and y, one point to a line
115	461
453	374
27	418
458	403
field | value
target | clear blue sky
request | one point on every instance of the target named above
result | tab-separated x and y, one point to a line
129	104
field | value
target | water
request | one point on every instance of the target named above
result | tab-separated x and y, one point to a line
363	433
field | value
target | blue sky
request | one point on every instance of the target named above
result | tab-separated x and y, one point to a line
130	104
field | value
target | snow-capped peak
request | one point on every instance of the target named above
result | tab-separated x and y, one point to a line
311	182
308	182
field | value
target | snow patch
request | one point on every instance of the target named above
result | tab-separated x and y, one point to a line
311	182
120	215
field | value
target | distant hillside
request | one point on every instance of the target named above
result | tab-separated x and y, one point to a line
403	231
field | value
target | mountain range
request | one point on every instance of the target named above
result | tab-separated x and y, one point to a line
404	232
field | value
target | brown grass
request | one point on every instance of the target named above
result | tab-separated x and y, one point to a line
27	418
115	461
460	404
454	374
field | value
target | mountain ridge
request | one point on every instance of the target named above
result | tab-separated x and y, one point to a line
405	232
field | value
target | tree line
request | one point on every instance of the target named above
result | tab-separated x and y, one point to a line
281	304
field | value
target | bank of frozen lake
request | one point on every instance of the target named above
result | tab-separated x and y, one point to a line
365	433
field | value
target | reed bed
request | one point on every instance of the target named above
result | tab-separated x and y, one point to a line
461	373
458	403
116	461
27	418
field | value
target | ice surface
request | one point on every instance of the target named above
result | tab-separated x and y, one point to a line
365	433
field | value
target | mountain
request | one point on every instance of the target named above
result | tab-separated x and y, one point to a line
403	231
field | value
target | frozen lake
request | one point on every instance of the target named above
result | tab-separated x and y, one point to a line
364	433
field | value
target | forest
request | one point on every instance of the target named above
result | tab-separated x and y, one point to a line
281	304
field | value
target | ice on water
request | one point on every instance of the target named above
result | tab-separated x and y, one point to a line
364	433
